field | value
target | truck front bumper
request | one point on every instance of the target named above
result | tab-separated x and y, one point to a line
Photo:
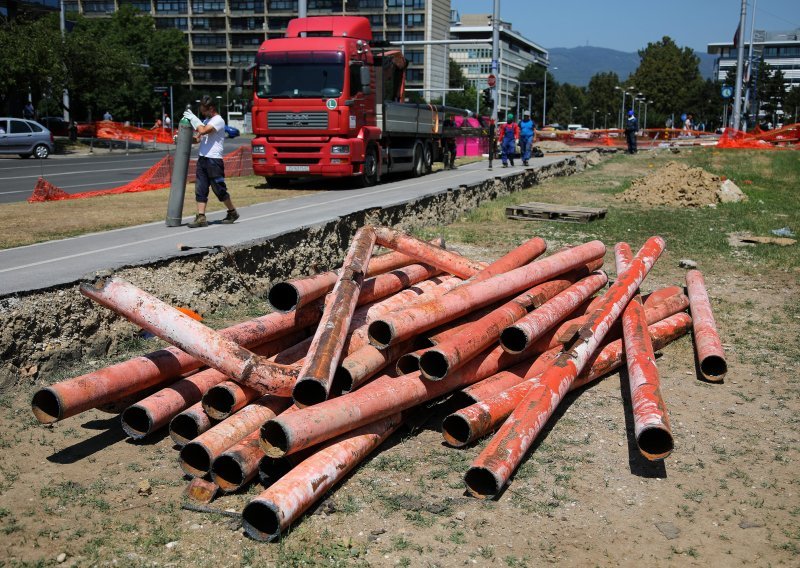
301	158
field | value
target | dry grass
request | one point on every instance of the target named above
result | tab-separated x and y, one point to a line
27	223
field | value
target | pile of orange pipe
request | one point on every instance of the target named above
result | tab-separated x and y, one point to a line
308	391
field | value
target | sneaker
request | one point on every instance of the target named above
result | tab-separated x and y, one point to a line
231	217
525	162
199	221
505	165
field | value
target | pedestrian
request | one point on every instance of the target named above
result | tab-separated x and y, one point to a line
157	124
507	136
73	131
631	128
27	112
527	133
167	122
107	116
210	133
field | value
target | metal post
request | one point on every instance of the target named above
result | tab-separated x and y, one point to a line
530	104
544	103
65	96
737	101
180	170
495	62
171	112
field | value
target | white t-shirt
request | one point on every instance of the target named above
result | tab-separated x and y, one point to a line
211	144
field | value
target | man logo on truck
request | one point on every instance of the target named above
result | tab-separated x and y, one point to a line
297	119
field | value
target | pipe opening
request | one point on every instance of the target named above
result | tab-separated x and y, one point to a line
342	381
283	296
714	367
195	459
380	334
309	391
261	521
481	483
218	402
513	339
272	469
434	365
136	422
46	406
655	443
456	430
227	473
274	441
183	429
461	399
408	363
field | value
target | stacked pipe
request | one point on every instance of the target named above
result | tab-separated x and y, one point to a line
308	391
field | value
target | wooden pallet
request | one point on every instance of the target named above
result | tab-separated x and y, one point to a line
553	212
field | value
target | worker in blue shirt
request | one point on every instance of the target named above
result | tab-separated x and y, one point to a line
527	132
631	128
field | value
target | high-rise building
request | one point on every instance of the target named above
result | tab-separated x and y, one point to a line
781	50
475	60
226	34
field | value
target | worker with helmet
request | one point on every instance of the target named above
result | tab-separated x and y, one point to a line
631	128
508	135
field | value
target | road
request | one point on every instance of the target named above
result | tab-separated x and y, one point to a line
52	263
77	173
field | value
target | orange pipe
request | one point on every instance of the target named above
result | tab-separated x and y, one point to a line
650	420
197	456
274	510
519	256
424	252
402	325
494	466
710	354
189	424
227	397
316	374
491	406
361	365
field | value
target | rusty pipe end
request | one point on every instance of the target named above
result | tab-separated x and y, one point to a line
655	443
513	340
183	429
228	472
342	381
713	368
137	422
47	406
462	399
283	297
261	520
407	363
482	482
308	391
274	439
434	365
218	402
271	470
380	333
195	460
89	288
457	431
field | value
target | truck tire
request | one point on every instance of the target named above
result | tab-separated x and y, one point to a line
370	175
418	167
427	158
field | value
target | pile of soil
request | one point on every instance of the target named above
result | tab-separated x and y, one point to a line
678	185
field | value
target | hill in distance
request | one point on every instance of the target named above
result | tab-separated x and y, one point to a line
577	65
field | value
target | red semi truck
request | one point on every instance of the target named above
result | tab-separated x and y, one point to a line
327	101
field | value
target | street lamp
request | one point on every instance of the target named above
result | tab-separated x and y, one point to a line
544	102
570	113
519	90
645	112
594	112
622	108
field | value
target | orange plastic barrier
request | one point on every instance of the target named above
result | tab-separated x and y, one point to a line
109	130
780	138
238	163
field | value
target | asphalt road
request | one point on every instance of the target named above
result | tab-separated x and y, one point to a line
78	173
52	263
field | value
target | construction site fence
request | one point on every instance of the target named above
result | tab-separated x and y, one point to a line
109	130
238	163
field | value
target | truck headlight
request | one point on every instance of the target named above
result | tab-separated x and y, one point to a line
340	149
259	150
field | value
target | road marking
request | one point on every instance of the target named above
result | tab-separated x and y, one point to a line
72	173
82	163
169	236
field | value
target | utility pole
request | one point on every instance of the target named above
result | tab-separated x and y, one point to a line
65	99
737	100
496	54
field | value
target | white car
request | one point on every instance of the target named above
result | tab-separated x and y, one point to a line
582	134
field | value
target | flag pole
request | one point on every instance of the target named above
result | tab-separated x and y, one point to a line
737	101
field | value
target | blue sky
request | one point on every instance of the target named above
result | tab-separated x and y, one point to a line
628	25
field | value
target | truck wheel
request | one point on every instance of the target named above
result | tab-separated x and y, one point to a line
418	168
427	158
370	175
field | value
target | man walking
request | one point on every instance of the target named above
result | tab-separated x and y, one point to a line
508	135
631	128
210	166
527	132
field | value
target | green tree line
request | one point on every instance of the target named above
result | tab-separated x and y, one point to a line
106	64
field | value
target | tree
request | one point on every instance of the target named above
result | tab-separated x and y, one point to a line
602	100
669	76
457	79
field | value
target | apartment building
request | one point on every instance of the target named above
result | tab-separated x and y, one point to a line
226	34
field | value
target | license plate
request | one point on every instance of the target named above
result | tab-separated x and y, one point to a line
297	168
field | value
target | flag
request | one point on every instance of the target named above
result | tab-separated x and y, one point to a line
736	38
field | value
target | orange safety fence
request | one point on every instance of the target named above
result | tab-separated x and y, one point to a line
158	176
109	130
780	138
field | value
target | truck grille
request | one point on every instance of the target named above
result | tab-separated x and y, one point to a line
297	120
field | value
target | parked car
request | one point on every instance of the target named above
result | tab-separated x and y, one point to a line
582	133
55	124
548	132
231	131
25	137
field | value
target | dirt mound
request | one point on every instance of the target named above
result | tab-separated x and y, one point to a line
678	185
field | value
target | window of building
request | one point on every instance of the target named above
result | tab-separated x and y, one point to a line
71	6
415	57
414	75
278	23
375	20
247	24
204	58
365	4
171	6
172	23
277	5
413	4
793	51
410	36
205	6
98	7
326	5
246	40
254	6
208	23
209	75
415	20
213	40
242	58
141	5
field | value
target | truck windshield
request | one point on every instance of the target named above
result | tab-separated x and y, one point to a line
300	74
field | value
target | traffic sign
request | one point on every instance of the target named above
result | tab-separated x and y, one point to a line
492	80
726	91
160	89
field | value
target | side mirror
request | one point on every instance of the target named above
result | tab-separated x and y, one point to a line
365	80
